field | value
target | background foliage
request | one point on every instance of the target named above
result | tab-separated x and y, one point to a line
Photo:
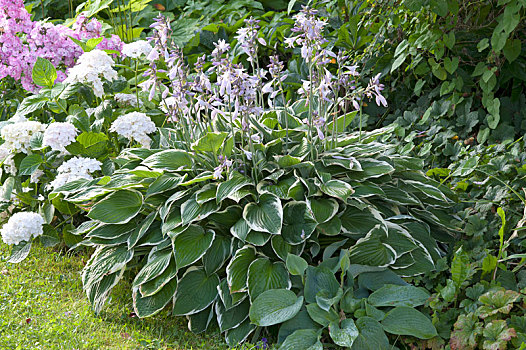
454	77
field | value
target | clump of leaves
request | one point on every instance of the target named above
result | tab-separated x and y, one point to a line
485	326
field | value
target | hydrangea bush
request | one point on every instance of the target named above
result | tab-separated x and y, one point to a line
22	41
226	199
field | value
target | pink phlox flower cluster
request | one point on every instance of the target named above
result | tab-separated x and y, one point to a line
22	41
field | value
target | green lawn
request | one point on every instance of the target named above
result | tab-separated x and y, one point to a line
42	306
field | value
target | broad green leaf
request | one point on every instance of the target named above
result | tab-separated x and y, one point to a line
117	208
497	334
274	306
344	334
460	267
238	335
323	317
141	230
237	269
206	193
371	335
342	122
296	265
264	275
323	209
156	265
219	252
371	169
199	322
512	49
466	167
19	252
371	250
150	305
191	244
195	292
298	222
393	295
302	339
31	104
211	142
233	317
191	210
266	215
111	231
466	331
497	301
337	188
156	284
165	182
44	73
302	320
403	320
233	184
30	164
170	160
317	279
451	65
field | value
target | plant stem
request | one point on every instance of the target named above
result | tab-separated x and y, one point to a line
137	81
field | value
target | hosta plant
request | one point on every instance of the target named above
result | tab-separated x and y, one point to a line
309	235
258	212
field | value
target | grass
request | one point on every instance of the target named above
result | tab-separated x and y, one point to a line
42	306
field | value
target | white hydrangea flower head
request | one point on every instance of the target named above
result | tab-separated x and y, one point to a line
74	169
18	135
91	67
21	227
136	126
59	135
125	100
6	158
36	176
137	49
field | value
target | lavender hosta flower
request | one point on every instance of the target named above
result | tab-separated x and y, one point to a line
134	126
21	227
319	124
256	138
374	89
59	135
220	48
224	164
248	154
309	30
275	67
248	38
74	169
161	33
324	88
